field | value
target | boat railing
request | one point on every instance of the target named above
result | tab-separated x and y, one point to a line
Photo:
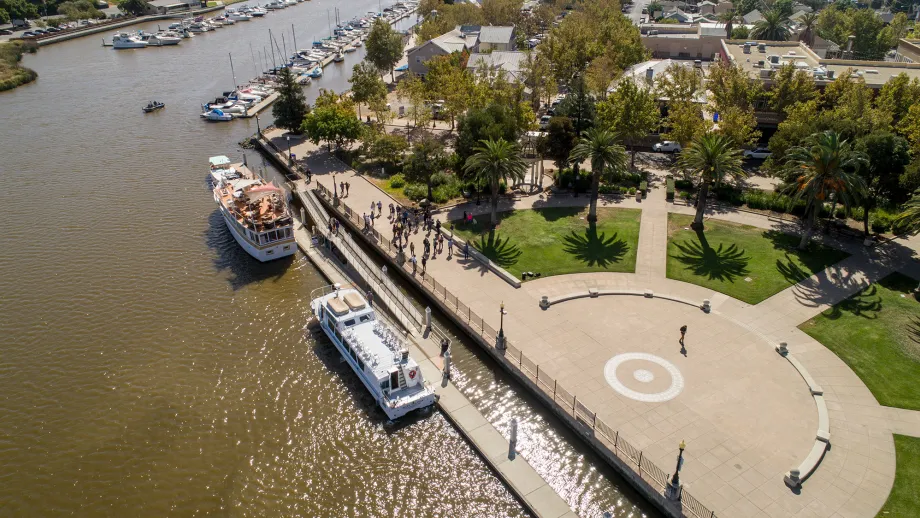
332	288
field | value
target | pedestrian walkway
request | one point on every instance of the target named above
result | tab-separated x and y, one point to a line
746	414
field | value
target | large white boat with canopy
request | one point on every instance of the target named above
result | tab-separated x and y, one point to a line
377	353
254	210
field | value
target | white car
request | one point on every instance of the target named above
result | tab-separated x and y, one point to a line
667	146
759	153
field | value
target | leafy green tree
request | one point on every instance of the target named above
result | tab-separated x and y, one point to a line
773	27
600	147
732	96
386	149
560	140
428	158
741	33
19	9
783	6
537	76
791	87
4	16
897	96
135	7
681	87
502	12
384	46
448	17
745	6
413	89
332	120
366	85
493	122
291	107
729	18
887	155
449	82
493	162
630	111
827	165
711	157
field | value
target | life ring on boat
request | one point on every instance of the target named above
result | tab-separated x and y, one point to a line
412	374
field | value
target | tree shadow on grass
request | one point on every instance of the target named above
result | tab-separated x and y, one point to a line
556	213
724	263
595	250
866	304
792	272
500	251
913	330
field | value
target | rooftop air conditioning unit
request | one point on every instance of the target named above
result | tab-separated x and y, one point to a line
766	73
830	74
747	48
761	64
773	59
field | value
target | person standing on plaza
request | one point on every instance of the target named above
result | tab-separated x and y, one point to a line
450	247
414	264
683	334
347	188
379	209
466	250
424	264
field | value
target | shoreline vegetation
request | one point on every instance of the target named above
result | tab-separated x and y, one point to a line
12	74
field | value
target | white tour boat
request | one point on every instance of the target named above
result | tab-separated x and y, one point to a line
377	354
255	211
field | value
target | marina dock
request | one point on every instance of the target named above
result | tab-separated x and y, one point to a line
514	470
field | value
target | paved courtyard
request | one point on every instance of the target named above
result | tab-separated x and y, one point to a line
745	412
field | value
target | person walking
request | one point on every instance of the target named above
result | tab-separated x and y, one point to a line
342	188
427	245
347	188
372	217
683	334
424	264
414	264
466	250
379	209
450	247
373	206
412	248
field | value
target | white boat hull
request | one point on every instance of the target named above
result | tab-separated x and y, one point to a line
265	253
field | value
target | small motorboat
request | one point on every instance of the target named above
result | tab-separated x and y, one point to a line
217	116
153	106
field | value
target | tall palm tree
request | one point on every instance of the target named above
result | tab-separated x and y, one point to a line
728	18
828	166
773	27
712	157
909	219
600	147
494	161
809	22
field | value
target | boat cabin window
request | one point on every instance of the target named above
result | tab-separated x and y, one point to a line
364	318
394	379
385	385
350	322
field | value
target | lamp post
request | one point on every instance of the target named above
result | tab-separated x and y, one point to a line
500	340
290	156
673	490
258	128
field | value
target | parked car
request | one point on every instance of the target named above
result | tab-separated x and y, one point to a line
39	32
52	29
5	32
28	34
667	146
759	153
544	121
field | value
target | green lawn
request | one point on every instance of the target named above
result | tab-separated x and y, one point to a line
904	500
558	240
877	333
726	255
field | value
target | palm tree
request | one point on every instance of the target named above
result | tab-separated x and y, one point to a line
728	18
909	219
494	161
773	27
809	22
712	157
827	169
600	147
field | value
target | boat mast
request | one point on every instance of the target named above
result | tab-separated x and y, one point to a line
285	48
231	70
273	48
294	35
253	55
329	23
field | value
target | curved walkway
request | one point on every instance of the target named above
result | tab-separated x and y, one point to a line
734	467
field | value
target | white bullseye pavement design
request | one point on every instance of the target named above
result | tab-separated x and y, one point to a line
644	376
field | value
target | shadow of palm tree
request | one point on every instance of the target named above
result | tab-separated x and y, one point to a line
501	252
556	213
913	330
866	304
724	263
595	250
791	271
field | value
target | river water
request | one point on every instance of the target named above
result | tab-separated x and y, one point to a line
149	367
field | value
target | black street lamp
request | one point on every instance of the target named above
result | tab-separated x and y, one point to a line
258	128
501	328
675	480
290	156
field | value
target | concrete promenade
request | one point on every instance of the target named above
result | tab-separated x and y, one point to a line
513	469
746	414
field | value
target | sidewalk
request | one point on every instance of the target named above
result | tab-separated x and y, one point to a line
745	413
